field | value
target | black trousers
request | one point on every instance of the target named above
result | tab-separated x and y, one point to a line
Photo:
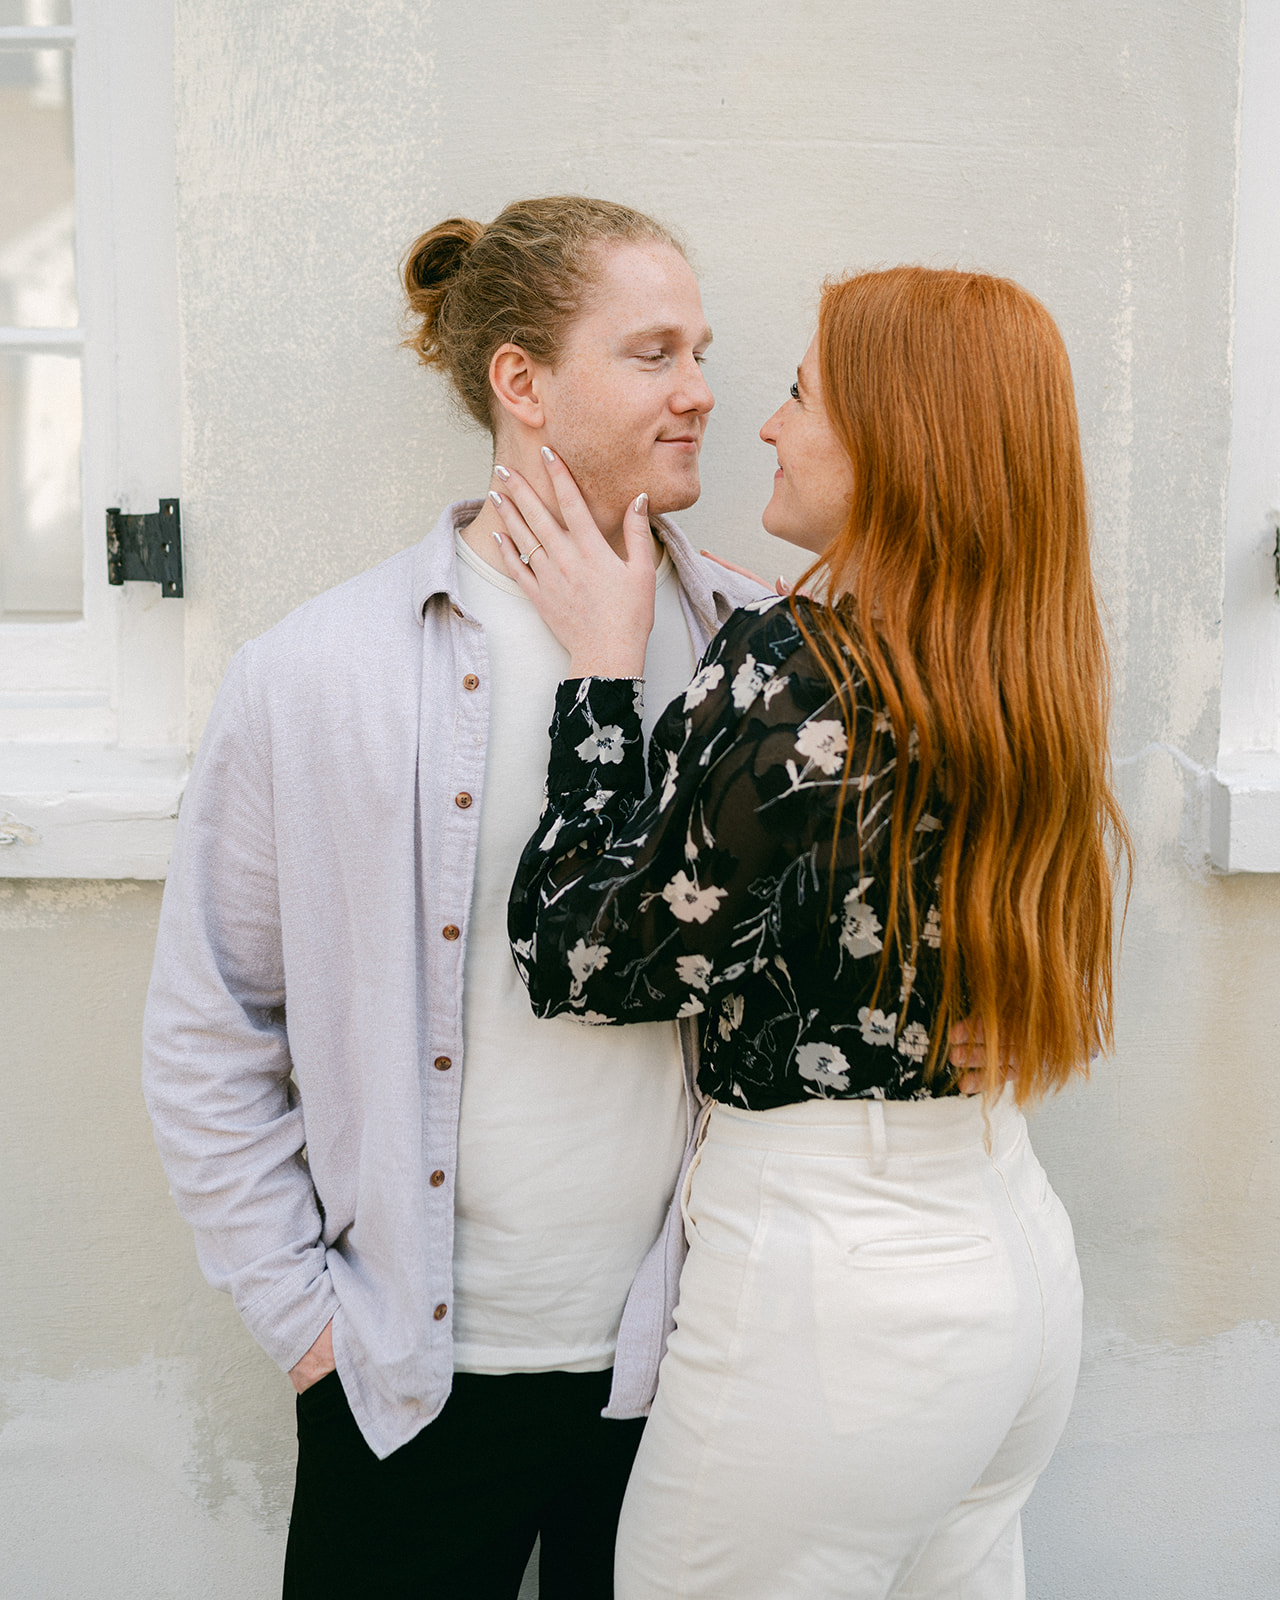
453	1514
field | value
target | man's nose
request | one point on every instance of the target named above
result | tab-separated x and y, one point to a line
694	393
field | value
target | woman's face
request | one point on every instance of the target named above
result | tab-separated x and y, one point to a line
813	485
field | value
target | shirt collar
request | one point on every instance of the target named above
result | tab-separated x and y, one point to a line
435	566
435	561
709	602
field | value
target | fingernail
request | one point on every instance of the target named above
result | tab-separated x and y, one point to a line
782	583
497	538
547	456
642	501
497	500
501	472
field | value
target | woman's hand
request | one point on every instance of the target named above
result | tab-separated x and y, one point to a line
780	585
968	1055
597	603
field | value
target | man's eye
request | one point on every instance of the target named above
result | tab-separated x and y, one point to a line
700	359
794	391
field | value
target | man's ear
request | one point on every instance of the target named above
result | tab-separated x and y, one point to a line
514	378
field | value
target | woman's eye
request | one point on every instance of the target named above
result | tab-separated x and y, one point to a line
794	391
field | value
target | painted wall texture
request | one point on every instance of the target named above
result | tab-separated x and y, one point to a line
1089	151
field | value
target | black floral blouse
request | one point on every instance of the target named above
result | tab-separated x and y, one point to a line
715	894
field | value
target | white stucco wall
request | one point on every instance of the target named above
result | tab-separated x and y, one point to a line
1089	151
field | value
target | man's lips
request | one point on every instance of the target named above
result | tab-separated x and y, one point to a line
682	441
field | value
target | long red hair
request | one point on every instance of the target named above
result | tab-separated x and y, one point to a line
962	590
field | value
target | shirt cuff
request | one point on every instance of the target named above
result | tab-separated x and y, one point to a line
596	739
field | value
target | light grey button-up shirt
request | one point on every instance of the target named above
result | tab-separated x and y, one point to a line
324	860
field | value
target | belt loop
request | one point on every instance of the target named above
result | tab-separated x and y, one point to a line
879	1145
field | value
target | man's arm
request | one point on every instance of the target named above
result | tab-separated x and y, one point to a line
216	1060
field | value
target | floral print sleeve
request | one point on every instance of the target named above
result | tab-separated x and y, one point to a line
716	895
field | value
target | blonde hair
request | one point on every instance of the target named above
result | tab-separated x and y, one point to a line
522	279
961	588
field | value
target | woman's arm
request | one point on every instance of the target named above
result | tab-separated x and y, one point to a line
629	909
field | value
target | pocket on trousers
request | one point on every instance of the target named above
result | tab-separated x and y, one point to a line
938	1250
322	1400
902	1324
718	1218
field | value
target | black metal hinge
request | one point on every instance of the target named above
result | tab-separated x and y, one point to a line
146	548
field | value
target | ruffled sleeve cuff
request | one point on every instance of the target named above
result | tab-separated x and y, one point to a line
597	744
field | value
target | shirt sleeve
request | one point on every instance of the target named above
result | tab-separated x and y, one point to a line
629	908
216	1059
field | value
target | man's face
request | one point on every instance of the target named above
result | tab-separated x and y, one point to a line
626	405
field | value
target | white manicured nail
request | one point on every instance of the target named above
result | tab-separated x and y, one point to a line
497	500
501	472
642	500
547	456
497	538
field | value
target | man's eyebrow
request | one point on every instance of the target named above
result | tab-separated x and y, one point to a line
642	335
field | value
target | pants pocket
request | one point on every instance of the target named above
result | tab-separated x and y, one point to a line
322	1401
903	1326
939	1250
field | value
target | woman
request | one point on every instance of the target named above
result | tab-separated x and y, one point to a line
873	816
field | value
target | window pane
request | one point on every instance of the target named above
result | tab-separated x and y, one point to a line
34	13
41	545
37	190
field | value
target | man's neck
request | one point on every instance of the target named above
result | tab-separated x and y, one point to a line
479	534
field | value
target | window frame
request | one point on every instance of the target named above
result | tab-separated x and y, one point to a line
1244	790
92	710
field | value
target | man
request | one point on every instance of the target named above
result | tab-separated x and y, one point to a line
432	1209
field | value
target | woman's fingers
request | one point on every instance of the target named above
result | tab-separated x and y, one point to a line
517	541
538	520
967	1043
569	502
635	532
779	585
967	1053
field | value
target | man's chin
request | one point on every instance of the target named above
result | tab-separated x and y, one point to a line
675	496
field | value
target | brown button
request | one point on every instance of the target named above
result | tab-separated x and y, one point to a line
450	931
462	801
443	1063
437	1178
440	1312
471	681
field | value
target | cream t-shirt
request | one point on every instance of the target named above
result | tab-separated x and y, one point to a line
570	1136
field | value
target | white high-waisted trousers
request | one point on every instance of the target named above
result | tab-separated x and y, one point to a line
875	1352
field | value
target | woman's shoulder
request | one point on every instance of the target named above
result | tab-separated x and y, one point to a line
786	634
768	629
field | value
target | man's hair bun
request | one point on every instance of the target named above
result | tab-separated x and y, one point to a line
428	271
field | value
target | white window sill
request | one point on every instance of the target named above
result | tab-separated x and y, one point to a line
88	811
1244	812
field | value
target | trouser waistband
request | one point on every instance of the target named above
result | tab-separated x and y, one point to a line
871	1128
